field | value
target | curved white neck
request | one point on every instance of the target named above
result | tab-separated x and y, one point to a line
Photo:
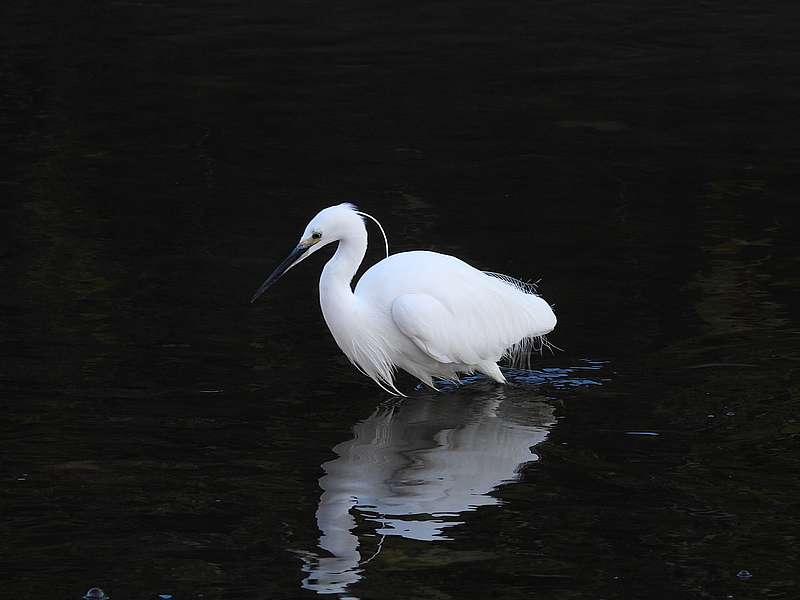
340	307
339	271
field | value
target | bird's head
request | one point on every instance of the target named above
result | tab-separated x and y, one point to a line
330	225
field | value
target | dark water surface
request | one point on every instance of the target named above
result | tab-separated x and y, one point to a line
162	436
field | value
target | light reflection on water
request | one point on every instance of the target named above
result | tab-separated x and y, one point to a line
413	468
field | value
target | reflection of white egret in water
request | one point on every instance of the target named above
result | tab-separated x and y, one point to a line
414	468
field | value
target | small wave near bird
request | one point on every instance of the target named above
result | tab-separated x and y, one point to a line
430	314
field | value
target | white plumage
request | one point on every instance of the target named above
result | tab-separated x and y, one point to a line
429	314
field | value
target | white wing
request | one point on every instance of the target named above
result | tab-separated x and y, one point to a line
452	311
431	327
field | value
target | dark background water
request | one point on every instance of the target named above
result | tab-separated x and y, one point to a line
162	436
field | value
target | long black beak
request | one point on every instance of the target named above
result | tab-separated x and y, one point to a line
278	273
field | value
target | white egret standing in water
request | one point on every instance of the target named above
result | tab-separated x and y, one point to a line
429	314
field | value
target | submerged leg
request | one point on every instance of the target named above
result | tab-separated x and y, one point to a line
491	369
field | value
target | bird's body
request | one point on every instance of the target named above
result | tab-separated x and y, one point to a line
429	314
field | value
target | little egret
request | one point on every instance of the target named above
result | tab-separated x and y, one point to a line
429	314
